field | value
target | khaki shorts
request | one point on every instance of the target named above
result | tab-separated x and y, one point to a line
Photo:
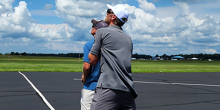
109	99
86	99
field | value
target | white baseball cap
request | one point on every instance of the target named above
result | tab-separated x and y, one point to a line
120	11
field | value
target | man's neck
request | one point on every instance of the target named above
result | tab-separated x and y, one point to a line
111	23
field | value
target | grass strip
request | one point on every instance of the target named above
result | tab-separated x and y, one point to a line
68	64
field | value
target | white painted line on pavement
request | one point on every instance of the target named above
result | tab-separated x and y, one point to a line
173	83
41	95
77	79
178	84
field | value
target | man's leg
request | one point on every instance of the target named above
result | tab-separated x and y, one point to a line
105	99
128	101
86	99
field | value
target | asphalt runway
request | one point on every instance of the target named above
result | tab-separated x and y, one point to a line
157	91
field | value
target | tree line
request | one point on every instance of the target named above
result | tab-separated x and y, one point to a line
76	55
200	56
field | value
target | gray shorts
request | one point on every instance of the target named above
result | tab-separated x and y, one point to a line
109	99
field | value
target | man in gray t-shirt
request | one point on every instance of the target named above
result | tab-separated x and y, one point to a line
114	48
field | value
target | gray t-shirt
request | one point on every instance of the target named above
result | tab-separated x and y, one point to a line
115	50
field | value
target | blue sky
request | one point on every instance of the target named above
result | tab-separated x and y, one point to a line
35	5
155	26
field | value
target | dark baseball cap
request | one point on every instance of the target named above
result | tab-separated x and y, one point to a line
99	24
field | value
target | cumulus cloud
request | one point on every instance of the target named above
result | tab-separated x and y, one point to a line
183	33
79	8
18	22
152	33
48	6
14	21
74	47
17	27
43	12
78	15
187	1
49	26
146	5
210	51
6	5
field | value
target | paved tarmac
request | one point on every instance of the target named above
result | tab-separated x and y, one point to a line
157	91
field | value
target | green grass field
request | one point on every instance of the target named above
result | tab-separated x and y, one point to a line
67	64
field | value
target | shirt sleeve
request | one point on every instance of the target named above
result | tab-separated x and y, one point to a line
86	53
97	43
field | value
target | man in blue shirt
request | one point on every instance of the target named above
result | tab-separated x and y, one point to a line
90	74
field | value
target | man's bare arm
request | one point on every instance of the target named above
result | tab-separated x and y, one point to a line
93	59
86	71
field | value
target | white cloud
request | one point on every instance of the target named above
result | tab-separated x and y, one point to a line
5	5
48	6
162	12
17	26
187	1
212	51
146	5
74	46
79	8
108	1
184	8
183	33
78	15
18	22
22	40
51	26
43	12
15	21
170	30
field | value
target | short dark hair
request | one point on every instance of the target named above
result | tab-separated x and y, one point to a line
98	24
118	21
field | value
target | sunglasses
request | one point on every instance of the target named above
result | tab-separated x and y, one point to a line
109	11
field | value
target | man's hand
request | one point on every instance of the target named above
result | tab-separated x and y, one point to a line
83	79
86	71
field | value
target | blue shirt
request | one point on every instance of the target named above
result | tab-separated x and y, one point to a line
93	76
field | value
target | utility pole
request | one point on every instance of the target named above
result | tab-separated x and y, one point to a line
9	56
79	57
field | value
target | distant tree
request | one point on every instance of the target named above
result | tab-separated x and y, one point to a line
12	53
24	53
17	53
135	56
164	55
200	56
0	53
